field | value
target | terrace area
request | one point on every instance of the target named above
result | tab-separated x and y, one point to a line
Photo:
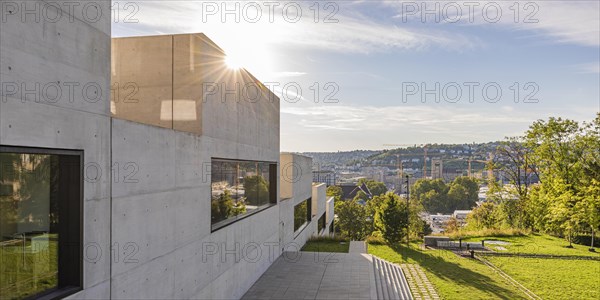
319	275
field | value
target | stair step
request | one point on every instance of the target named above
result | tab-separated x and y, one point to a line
378	286
390	281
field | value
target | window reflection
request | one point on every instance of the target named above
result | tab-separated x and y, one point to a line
39	211
302	214
239	188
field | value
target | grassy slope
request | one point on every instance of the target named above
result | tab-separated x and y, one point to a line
550	278
454	277
554	278
460	278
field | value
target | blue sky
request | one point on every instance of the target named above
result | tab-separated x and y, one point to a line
377	47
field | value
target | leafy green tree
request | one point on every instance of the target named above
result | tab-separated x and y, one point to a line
560	153
352	219
372	207
432	194
471	187
335	192
437	197
392	218
483	217
458	198
589	208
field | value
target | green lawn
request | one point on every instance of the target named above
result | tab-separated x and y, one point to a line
326	246
553	278
461	278
454	277
539	244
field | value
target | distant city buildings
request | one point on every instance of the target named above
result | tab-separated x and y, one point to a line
326	177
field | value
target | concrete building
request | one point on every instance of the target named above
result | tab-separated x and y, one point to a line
195	136
166	187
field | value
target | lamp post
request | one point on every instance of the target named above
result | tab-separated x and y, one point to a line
407	212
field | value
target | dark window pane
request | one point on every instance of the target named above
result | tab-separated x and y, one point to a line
40	197
322	224
301	214
238	189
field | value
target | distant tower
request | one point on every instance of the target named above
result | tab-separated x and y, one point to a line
437	168
490	169
425	162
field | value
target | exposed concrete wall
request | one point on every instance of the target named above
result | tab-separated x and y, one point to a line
319	198
296	177
54	60
165	211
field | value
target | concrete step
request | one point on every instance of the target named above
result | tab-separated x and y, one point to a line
378	280
390	281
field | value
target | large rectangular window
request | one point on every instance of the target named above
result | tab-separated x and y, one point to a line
302	214
240	188
40	222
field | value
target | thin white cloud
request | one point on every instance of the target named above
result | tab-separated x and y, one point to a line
369	127
588	68
288	74
575	22
352	33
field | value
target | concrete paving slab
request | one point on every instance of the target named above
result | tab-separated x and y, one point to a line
311	275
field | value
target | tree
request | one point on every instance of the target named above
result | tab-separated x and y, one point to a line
515	161
589	208
352	219
372	207
392	218
431	194
437	197
560	153
482	217
335	192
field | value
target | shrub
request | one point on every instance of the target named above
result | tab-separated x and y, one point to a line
375	240
328	239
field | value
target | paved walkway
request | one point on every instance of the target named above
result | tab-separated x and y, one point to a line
311	275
